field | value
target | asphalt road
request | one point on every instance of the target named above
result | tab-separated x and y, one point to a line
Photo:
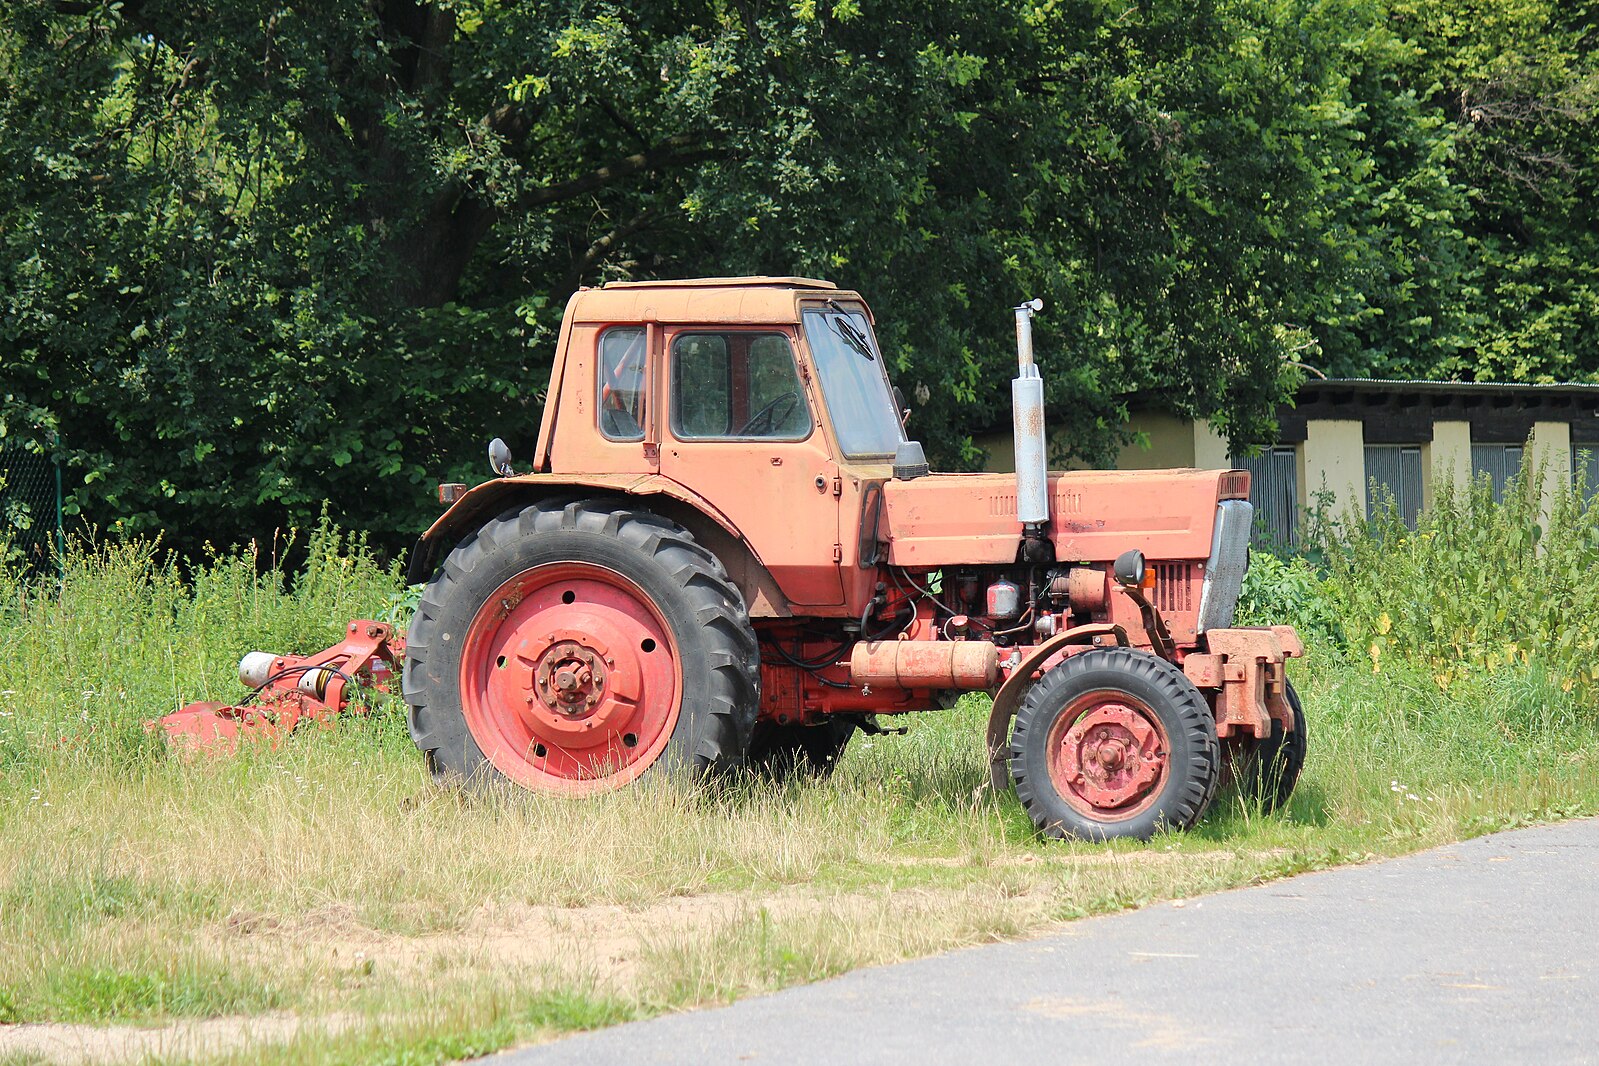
1477	952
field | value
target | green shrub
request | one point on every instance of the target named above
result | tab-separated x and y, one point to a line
1477	586
1289	591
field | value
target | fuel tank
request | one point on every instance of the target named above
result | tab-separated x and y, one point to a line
1094	515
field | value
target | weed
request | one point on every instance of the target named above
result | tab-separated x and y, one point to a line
1478	586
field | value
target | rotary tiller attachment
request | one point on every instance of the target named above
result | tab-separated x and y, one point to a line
286	689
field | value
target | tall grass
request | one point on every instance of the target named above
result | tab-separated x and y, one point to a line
329	876
130	632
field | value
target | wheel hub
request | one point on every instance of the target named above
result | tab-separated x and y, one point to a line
1108	757
570	679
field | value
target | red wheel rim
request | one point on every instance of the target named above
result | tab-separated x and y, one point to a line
1108	755
570	679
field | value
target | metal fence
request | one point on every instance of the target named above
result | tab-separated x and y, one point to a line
1395	468
31	534
1274	490
1500	462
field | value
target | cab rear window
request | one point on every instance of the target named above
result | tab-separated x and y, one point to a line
622	384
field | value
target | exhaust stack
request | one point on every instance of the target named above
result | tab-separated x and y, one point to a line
1027	404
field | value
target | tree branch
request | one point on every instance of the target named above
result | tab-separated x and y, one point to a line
603	246
668	151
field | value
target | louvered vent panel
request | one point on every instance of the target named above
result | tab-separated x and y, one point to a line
1174	588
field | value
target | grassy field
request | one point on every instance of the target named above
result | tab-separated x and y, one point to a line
325	903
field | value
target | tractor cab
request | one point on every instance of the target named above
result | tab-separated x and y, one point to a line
750	359
765	399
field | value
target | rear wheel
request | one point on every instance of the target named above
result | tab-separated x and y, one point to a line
1114	743
1266	771
570	648
783	751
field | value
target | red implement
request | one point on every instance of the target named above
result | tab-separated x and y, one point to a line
287	689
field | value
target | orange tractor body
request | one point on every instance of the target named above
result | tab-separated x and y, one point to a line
728	550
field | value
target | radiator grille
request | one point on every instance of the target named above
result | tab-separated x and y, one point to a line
1174	589
1229	558
1234	485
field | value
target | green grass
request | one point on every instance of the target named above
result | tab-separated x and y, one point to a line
168	988
330	880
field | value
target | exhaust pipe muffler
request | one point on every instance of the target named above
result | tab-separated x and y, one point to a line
1032	443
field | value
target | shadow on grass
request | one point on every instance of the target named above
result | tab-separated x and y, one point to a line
1232	814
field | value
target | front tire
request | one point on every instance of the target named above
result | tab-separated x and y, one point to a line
1114	742
571	648
1266	771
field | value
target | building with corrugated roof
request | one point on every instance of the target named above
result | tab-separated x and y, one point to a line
1344	438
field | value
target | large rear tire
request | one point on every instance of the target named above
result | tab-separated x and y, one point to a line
573	647
1114	742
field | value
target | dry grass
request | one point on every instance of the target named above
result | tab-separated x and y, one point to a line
330	881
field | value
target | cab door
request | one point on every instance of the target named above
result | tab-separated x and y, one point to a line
742	432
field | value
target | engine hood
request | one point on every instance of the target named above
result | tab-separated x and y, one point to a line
1094	515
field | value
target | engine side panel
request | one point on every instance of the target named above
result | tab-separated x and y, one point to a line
1095	515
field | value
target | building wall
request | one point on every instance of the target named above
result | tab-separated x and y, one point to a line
1551	447
1447	455
1333	422
1332	466
1168	443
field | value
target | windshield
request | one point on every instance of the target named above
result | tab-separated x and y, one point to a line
854	382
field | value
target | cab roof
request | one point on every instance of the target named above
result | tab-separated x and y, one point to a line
756	281
747	301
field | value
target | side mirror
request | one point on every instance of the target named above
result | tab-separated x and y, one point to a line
1128	569
500	458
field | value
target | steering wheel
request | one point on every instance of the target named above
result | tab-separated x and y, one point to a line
769	417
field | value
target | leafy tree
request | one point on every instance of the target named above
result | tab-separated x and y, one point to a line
1516	82
261	254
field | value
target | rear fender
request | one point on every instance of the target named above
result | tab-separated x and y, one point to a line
656	494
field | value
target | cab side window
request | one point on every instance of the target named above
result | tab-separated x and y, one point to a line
621	383
737	386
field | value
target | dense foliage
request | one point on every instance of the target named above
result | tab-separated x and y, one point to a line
260	254
1478	589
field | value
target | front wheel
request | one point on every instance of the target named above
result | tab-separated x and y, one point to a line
1266	771
1114	742
573	647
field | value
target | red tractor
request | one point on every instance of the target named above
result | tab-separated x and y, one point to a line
726	549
